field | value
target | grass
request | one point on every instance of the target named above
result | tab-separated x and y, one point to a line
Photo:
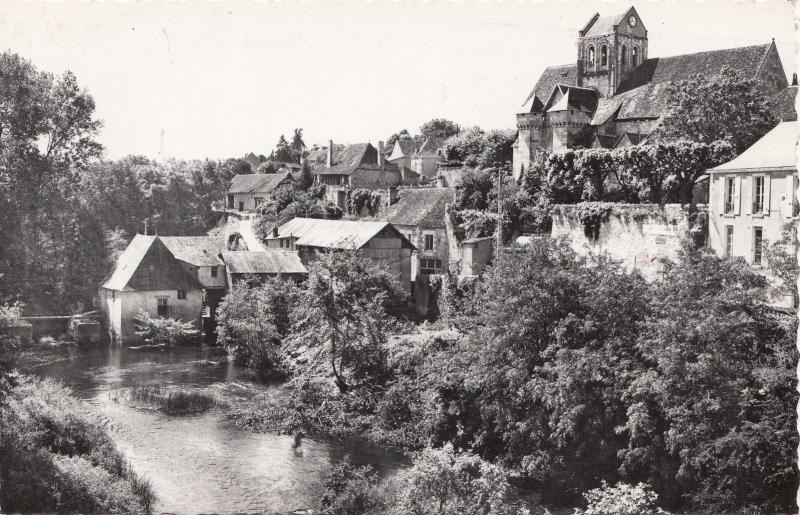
169	400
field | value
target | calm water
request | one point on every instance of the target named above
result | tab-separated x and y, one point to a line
203	463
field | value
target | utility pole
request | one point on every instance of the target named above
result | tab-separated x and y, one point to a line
499	212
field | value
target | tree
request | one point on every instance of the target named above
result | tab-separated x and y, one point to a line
729	107
253	320
439	128
343	311
403	135
283	151
297	140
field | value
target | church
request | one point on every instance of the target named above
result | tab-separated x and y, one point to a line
614	94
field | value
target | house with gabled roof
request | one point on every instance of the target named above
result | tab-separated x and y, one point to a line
148	277
380	241
419	214
402	152
615	88
360	166
249	191
426	160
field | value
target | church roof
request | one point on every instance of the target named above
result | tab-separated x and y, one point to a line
565	98
644	92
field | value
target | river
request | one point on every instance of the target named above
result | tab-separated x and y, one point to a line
203	462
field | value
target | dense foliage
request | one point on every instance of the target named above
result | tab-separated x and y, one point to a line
165	331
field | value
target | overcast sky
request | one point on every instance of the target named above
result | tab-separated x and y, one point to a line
220	79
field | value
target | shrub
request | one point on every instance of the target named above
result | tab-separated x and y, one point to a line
351	490
621	499
169	400
55	458
165	331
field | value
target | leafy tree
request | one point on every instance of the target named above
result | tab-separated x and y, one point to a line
473	193
403	135
478	149
439	128
253	320
283	151
621	498
164	331
297	141
352	490
781	259
343	311
729	107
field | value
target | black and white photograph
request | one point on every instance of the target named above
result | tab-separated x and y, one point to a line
399	257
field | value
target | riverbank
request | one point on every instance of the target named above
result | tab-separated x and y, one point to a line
56	456
201	461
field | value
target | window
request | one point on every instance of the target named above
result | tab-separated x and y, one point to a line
409	236
181	294
604	55
213	271
430	266
163	308
241	206
635	56
758	245
728	240
429	242
591	56
758	195
730	194
623	56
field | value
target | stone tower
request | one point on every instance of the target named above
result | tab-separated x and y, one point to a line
608	48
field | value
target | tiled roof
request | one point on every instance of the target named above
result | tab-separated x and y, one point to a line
335	234
270	262
783	105
359	156
551	76
423	207
572	97
257	182
604	141
431	147
604	25
644	92
776	150
147	265
407	146
195	250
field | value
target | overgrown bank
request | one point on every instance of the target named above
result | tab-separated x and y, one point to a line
564	371
55	456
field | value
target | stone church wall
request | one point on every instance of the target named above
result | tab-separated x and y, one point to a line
638	235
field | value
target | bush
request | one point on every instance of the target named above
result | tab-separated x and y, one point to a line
351	490
165	331
169	400
622	499
252	322
55	458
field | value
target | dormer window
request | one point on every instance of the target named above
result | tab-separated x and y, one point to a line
591	56
623	56
635	56
604	55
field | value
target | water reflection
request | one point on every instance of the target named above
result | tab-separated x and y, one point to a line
202	462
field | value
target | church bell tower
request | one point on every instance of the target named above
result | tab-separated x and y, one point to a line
609	48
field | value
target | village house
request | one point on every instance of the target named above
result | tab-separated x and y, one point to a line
360	166
257	266
249	191
753	197
615	93
419	214
148	277
379	241
426	160
403	152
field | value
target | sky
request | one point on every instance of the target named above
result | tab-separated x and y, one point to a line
199	79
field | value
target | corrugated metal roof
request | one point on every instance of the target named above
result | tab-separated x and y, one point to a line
335	234
270	262
196	250
776	150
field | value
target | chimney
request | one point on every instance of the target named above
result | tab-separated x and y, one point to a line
794	79
330	153
381	157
